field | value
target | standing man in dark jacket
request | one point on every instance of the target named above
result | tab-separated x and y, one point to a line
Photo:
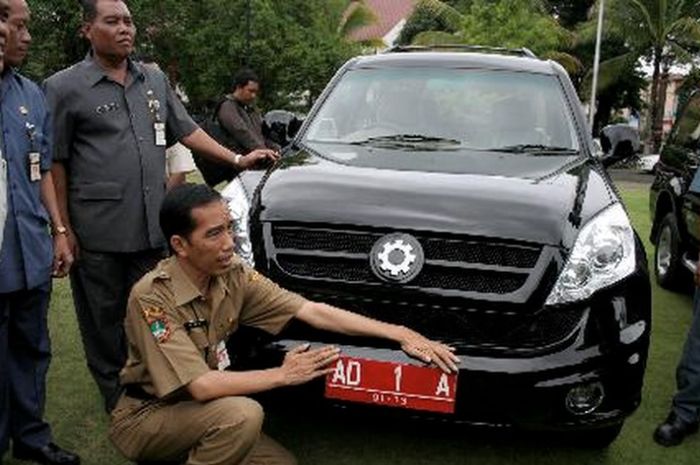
27	256
113	119
239	116
236	123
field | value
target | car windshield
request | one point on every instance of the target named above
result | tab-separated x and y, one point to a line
447	109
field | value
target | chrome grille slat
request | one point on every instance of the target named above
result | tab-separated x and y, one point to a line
453	264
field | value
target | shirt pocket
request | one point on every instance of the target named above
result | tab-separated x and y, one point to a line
99	191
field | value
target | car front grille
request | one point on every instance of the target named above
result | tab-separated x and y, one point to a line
468	329
361	242
475	293
459	264
432	277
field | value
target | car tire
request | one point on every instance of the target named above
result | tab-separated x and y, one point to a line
668	268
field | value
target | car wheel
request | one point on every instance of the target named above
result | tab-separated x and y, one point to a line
667	258
598	438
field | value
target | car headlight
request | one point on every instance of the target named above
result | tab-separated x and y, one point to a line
604	253
239	206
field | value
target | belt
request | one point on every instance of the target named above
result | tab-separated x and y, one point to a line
136	392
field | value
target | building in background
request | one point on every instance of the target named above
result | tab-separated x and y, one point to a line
390	18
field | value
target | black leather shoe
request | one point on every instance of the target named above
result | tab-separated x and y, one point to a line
50	454
674	430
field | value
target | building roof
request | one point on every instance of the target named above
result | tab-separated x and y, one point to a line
389	13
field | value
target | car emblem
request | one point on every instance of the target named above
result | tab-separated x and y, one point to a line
397	258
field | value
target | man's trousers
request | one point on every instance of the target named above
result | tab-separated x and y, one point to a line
225	431
101	283
686	402
25	353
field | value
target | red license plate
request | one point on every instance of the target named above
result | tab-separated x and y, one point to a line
392	384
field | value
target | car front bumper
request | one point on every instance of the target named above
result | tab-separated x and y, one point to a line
609	347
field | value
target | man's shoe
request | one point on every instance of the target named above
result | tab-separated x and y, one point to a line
674	430
50	454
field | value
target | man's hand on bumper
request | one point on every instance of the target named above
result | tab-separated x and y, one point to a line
434	352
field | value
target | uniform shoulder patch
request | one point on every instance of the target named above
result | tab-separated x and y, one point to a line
158	323
253	276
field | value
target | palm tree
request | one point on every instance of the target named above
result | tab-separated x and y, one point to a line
506	23
356	16
663	31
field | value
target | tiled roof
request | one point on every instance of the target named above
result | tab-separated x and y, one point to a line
388	12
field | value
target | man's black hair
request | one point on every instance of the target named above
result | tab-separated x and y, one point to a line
90	9
243	77
176	210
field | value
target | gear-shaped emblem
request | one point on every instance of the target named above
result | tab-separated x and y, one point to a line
397	257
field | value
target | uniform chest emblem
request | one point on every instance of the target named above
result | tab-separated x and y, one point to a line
397	258
106	108
158	324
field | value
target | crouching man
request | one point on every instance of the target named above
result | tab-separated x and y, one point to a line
178	401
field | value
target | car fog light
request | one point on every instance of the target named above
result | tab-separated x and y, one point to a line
582	400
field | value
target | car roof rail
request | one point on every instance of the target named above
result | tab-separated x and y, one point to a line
524	52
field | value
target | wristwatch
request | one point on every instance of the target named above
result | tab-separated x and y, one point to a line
60	230
237	160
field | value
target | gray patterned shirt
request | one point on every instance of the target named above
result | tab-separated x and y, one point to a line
105	135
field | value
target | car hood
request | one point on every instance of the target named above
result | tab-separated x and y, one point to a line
545	204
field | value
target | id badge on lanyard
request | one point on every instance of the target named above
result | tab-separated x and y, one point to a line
158	124
34	166
33	157
222	359
159	129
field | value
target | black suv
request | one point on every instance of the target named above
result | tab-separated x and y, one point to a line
675	209
459	194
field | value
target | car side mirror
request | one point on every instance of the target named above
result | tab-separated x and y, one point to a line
618	142
280	126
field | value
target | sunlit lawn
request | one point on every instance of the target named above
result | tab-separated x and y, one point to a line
74	407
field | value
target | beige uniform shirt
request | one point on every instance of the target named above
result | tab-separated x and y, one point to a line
178	159
175	334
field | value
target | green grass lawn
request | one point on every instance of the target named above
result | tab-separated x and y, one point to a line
74	407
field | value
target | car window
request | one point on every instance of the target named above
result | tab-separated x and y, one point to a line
688	129
680	152
477	109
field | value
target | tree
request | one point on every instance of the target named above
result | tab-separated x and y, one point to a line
512	24
664	32
56	40
296	45
357	15
430	15
569	13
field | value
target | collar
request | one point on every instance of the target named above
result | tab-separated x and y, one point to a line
245	106
94	73
184	290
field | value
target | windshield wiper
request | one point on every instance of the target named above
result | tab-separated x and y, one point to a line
407	139
534	149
